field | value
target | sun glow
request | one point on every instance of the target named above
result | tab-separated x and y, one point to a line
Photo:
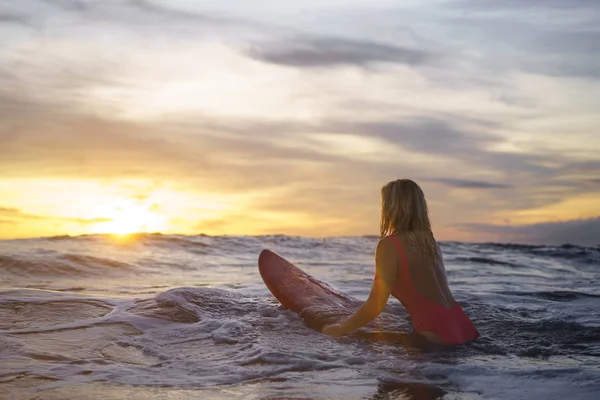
131	219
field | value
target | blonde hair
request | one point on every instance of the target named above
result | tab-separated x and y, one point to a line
404	211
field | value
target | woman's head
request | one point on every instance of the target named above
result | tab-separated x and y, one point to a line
404	210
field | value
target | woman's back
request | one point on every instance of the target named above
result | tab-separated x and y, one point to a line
428	275
422	287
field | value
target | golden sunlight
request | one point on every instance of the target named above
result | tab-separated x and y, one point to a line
131	219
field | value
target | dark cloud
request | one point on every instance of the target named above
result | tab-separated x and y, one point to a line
445	137
331	51
535	179
583	167
469	184
581	68
565	42
526	4
149	7
71	5
563	53
425	134
585	232
7	18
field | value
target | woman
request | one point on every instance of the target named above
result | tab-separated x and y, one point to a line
409	266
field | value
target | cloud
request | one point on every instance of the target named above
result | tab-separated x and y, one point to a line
525	4
469	184
429	124
584	167
63	145
563	53
8	18
422	134
149	7
253	155
46	138
585	232
45	142
334	51
70	5
453	143
579	68
15	214
556	38
562	42
128	13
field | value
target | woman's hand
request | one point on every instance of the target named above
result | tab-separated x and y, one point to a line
334	330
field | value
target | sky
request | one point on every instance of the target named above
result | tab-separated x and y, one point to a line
253	117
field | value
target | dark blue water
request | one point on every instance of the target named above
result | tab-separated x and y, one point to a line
183	317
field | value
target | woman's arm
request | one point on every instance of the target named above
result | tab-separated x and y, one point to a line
386	272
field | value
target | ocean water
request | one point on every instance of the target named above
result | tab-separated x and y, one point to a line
188	317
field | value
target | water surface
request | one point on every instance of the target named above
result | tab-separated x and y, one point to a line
183	317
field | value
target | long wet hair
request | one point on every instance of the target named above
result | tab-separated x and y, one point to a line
404	212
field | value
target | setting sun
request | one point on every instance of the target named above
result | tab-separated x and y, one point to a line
131	219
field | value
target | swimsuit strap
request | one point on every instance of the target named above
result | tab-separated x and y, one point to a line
404	262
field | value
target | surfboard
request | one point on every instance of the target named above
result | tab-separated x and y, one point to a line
320	304
315	301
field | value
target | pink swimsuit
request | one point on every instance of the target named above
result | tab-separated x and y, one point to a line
452	325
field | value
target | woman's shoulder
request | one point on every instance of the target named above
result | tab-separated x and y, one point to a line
394	240
388	245
388	241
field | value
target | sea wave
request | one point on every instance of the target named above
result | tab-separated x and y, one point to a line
174	313
60	264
